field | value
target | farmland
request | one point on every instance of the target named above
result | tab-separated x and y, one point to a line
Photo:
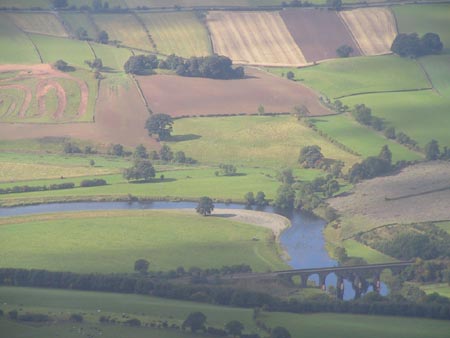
260	38
251	141
99	242
124	30
352	76
374	29
199	96
41	23
362	139
318	33
74	21
177	33
113	58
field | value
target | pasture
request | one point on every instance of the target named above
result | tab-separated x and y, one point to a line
258	38
438	68
363	140
179	33
15	46
353	76
74	21
443	289
203	97
124	30
39	23
374	29
350	325
318	33
113	58
251	141
424	19
372	256
111	241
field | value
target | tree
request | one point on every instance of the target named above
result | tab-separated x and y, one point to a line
261	109
260	199
227	169
334	4
205	206
165	153
159	124
431	43
389	132
385	154
286	176
180	157
280	332
234	328
141	64
81	34
310	156
117	150
141	266
102	37
141	170
290	75
92	163
59	3
341	254
96	64
300	112
432	150
61	65
285	197
140	152
362	114
344	51
195	321
249	199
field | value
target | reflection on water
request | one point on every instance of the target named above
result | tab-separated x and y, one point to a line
304	240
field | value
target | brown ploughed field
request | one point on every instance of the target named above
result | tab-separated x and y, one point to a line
318	33
256	38
187	96
373	28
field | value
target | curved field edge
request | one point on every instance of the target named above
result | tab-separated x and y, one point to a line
111	241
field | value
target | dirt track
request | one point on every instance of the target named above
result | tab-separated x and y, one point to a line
318	33
186	96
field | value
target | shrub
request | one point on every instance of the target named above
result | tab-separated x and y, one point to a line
93	183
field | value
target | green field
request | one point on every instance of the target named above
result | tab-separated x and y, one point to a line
421	115
361	139
438	68
423	19
39	23
251	141
74	52
74	21
112	241
113	58
357	249
344	326
25	3
124	29
444	226
356	75
443	289
15	46
177	33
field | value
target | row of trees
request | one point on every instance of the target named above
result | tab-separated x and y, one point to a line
411	45
213	66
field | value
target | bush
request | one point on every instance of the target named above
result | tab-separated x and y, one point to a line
34	317
12	314
60	186
93	183
76	317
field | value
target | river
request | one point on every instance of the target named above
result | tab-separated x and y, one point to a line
303	241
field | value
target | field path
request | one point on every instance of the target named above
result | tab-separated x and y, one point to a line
43	88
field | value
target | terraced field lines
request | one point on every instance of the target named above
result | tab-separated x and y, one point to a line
74	21
177	33
124	29
39	23
373	28
260	38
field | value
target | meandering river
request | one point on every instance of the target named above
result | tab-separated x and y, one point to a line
303	241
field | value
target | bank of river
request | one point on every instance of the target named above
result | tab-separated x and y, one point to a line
303	240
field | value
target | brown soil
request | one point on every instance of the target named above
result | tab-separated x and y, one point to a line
318	32
26	102
186	96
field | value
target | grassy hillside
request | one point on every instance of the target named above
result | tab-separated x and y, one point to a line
351	76
252	141
361	139
424	19
438	68
177	33
113	58
40	23
113	241
15	46
74	21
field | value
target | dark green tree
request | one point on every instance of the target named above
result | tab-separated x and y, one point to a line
141	170
385	154
285	197
165	153
234	328
344	51
227	169
389	132
362	114
260	199
249	199
195	322
59	3
205	206
81	34
280	332
334	4
310	156
286	176
141	266
180	157
159	124
102	37
290	75
432	150
61	65
140	152
96	64
431	43
141	64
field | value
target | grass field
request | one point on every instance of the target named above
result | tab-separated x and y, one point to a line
74	21
178	33
125	29
252	141
344	326
443	289
25	3
113	58
363	140
421	115
372	256
40	23
74	52
438	68
424	19
112	241
15	47
360	75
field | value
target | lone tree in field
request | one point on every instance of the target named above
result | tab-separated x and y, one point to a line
344	51
234	328
103	37
195	321
141	170
432	150
61	65
141	266
280	332
205	206
96	64
159	124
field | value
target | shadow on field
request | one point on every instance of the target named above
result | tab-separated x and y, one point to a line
181	138
153	181
223	215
